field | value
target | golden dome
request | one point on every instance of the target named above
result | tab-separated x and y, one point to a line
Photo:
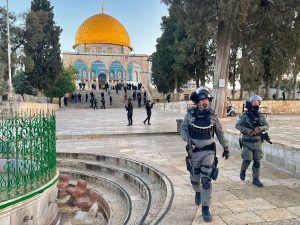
102	29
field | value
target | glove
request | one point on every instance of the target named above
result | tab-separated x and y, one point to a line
252	133
257	130
225	153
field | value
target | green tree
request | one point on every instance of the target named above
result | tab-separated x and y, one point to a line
215	20
64	83
163	60
270	38
179	57
21	85
42	48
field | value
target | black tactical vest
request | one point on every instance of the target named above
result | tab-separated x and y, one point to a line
201	127
255	118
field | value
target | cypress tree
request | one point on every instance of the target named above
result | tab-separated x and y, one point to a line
42	47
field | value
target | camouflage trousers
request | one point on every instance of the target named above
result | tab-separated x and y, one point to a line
252	152
200	175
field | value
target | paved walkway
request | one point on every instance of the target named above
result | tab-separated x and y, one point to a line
233	201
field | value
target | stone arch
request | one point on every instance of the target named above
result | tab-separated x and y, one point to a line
81	69
133	71
102	79
97	68
116	71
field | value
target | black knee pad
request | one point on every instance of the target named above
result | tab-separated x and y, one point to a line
194	183
256	164
206	183
197	171
246	162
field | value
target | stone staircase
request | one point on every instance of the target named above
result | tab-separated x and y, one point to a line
118	100
134	192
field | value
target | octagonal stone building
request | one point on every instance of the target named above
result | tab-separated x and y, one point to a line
103	54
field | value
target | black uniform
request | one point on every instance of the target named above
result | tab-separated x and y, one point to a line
149	106
129	109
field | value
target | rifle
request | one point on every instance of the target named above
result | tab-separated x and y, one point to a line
263	135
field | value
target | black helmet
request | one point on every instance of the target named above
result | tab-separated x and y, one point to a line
201	93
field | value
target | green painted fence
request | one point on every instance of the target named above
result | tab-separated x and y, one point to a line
27	153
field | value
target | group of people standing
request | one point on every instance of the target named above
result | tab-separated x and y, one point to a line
94	101
198	129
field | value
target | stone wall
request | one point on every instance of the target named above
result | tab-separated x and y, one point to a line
28	107
275	106
272	106
179	107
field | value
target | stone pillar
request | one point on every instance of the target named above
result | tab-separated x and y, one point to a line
97	84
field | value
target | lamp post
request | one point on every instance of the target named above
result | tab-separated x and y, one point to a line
10	97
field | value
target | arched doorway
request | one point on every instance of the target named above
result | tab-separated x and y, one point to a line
101	80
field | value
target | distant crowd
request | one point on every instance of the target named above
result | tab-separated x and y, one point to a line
138	94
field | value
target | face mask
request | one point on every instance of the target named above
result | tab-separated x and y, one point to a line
255	108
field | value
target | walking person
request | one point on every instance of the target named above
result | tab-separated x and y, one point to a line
169	97
65	101
251	123
129	109
198	129
149	107
283	94
110	100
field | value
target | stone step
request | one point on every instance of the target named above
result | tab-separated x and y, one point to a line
116	204
117	100
139	204
147	185
160	187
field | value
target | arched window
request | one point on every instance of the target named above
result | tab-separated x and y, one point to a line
81	69
133	70
117	69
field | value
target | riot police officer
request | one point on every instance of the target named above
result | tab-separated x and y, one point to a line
251	123
129	109
198	129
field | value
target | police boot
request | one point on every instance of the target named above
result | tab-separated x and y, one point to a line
243	175
198	198
257	182
206	214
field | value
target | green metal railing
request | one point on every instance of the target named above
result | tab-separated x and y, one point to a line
27	153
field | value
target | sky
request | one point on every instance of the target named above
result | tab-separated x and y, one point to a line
141	18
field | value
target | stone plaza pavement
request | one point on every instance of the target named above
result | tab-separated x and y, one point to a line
233	201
